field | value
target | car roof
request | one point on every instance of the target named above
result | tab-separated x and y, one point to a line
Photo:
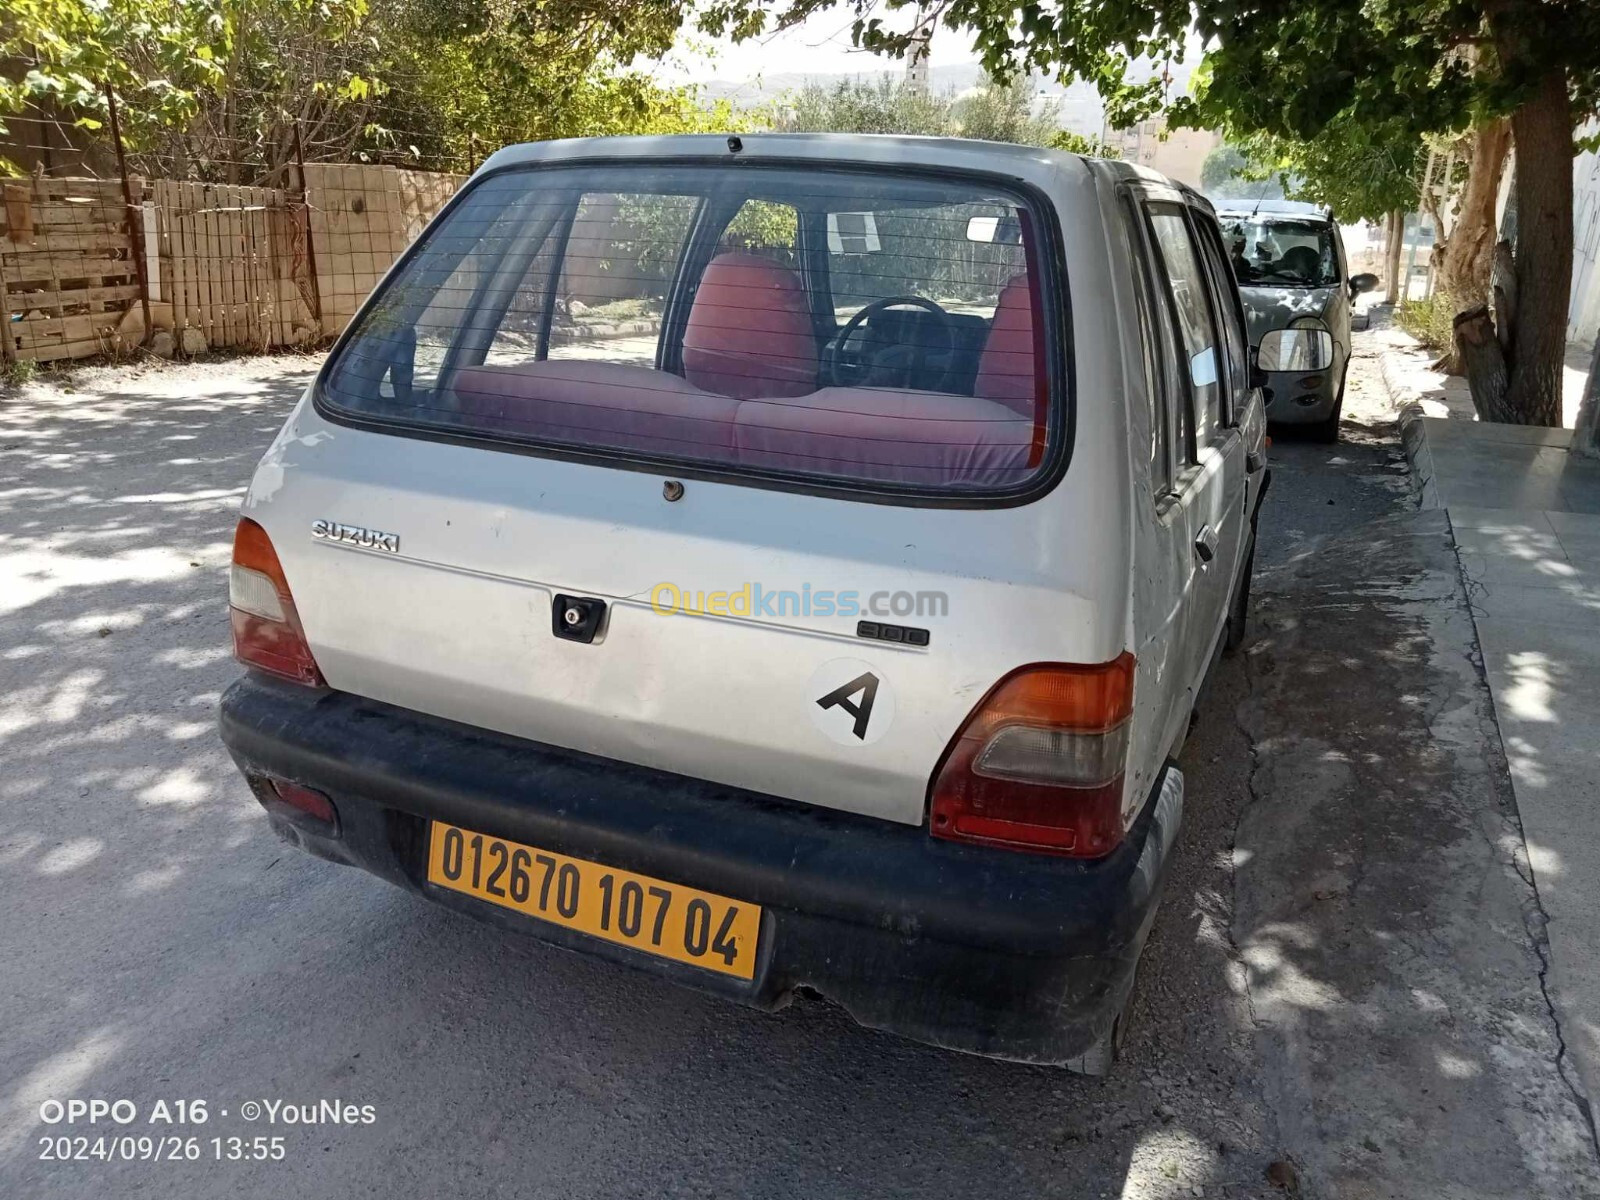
1279	212
1031	163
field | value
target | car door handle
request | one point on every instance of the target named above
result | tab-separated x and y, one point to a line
1205	544
1254	461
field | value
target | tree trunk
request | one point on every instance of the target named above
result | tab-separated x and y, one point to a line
1503	287
1391	254
1466	259
1484	364
1586	431
1543	131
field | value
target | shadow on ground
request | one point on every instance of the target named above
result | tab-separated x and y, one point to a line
1385	911
163	945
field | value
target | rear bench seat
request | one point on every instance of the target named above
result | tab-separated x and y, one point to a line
609	404
885	434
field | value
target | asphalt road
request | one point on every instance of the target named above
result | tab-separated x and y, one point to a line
159	944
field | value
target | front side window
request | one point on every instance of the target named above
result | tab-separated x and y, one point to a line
856	326
1281	251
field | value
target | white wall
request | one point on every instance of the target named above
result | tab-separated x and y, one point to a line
1583	315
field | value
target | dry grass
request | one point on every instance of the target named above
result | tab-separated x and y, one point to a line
1430	320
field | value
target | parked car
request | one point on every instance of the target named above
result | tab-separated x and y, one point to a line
1300	300
833	620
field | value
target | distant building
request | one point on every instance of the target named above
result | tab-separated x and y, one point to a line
921	46
1180	153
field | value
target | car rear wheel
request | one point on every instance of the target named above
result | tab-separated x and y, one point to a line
1098	1060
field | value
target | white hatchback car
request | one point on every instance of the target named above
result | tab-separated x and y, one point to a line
771	562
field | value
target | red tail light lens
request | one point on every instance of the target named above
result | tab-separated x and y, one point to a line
1039	764
266	628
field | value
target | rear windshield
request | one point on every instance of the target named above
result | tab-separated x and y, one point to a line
853	326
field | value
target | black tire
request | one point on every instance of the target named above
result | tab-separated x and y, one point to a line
1239	610
1097	1061
1327	431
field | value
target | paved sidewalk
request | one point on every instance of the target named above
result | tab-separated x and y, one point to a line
1407	370
1526	520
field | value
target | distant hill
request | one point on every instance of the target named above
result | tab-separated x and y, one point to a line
1081	110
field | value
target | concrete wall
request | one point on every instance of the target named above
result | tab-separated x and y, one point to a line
361	218
1583	313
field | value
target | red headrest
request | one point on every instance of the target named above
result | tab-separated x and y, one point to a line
749	333
1006	370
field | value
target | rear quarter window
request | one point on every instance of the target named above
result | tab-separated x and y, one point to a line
854	328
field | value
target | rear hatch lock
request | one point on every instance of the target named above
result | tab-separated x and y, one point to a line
577	618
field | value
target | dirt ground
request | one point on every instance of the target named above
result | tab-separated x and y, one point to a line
1343	984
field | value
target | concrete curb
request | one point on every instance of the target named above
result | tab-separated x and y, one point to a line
1414	438
1413	430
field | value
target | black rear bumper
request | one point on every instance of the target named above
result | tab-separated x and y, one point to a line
1012	955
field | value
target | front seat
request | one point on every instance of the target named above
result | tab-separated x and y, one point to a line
1301	261
749	333
1007	370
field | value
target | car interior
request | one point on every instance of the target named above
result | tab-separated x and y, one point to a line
1281	251
915	355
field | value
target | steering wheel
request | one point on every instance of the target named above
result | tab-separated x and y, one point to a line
854	369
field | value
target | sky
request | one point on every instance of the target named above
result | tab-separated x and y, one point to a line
820	46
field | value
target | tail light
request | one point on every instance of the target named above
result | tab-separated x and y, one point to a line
1039	764
266	628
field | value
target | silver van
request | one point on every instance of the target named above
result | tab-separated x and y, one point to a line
770	562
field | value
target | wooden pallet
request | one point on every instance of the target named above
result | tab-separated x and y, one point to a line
229	262
68	278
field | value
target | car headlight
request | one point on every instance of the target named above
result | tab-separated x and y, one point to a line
1308	323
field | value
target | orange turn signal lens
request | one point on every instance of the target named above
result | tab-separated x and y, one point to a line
266	627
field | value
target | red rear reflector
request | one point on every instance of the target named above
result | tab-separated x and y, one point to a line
266	628
1039	764
306	800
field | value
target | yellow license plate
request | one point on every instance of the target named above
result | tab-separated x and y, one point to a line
652	915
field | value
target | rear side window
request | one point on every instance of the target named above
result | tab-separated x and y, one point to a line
1230	316
851	326
1191	307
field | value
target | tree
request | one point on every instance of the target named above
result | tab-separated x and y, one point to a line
1463	263
881	105
1360	173
1222	168
216	88
1291	70
996	112
1007	112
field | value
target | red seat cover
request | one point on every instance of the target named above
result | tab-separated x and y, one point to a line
611	405
929	438
749	332
1007	371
